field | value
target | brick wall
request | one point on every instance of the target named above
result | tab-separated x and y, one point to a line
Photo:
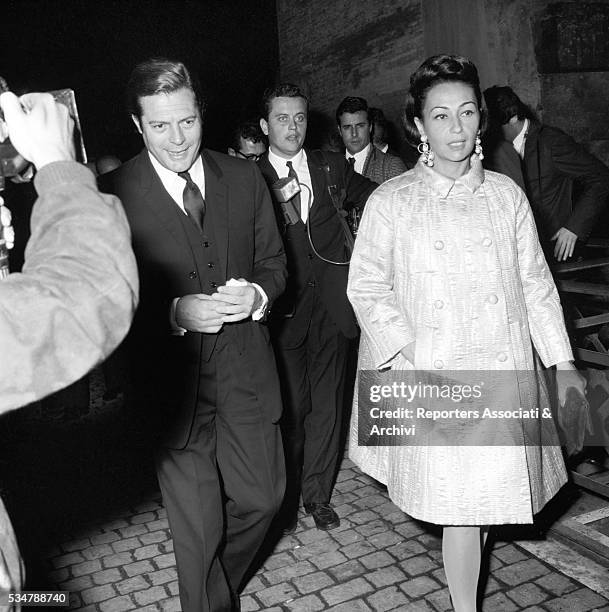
340	48
357	47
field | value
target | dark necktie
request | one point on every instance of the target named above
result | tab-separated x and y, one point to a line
194	204
351	161
296	198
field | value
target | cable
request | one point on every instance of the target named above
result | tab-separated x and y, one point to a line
335	263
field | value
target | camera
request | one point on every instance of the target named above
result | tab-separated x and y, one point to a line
13	165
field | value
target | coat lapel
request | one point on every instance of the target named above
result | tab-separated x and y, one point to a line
318	180
217	207
156	199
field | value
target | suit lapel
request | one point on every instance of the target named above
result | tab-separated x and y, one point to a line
217	207
267	169
369	159
318	180
156	199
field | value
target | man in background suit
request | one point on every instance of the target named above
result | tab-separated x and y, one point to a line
313	321
355	129
211	260
568	188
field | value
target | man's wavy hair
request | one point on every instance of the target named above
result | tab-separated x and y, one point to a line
441	68
160	75
352	104
503	104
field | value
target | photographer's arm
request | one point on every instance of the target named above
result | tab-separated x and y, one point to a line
75	298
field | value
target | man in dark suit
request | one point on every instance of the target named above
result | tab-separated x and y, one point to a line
210	259
355	129
313	322
567	187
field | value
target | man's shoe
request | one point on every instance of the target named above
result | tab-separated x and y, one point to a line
290	525
323	514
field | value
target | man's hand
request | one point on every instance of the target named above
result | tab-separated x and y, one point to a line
408	352
568	376
237	302
198	313
39	128
565	244
6	229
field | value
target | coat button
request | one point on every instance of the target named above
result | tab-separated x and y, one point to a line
438	304
438	364
502	357
192	274
214	284
210	265
438	245
206	244
310	255
492	298
311	283
487	242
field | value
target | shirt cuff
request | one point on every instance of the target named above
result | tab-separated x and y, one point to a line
176	330
261	310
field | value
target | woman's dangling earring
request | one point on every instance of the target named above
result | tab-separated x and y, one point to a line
478	147
425	150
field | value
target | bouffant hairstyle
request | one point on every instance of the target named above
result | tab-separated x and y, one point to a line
438	69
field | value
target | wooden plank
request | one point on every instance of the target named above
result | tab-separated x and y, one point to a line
592	357
590	484
602	243
600	319
585	264
571	286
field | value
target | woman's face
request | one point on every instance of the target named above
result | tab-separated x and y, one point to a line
450	120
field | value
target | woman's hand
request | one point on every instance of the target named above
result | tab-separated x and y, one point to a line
567	376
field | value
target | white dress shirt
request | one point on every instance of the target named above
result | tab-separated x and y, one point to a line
360	158
174	184
521	138
301	167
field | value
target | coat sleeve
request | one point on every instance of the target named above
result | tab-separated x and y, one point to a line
592	177
544	311
395	166
270	270
385	326
74	300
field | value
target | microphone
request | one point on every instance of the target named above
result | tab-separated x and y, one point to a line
284	191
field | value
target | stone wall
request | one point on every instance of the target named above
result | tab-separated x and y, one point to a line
554	54
350	47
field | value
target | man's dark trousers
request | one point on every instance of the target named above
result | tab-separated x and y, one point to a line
232	436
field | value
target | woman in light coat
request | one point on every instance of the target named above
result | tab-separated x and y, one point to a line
448	275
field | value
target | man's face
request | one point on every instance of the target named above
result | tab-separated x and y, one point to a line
171	128
248	149
355	131
286	126
512	128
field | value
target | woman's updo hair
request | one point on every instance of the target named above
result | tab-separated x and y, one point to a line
436	69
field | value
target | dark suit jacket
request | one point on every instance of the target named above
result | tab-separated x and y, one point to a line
239	207
566	185
328	238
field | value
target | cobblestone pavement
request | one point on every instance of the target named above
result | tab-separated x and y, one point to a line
379	559
86	508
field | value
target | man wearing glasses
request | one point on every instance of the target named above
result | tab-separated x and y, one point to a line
248	141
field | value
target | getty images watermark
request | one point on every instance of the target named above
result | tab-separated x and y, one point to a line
469	408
